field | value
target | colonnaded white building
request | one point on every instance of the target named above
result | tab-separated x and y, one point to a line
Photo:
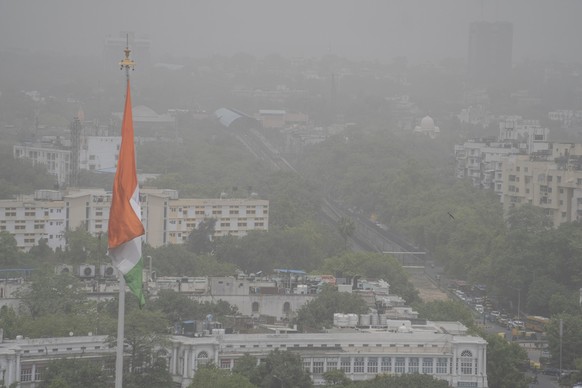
441	349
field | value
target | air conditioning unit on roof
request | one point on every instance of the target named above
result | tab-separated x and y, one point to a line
63	269
86	271
107	271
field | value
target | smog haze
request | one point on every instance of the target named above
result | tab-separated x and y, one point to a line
420	30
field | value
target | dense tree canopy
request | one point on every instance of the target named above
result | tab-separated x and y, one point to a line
211	376
445	311
318	313
74	372
374	266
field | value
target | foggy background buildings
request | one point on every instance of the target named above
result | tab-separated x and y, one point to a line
420	30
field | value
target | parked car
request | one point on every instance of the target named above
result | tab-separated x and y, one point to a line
551	371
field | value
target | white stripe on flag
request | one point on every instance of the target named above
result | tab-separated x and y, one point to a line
127	255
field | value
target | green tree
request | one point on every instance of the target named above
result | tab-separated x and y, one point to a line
506	363
571	340
50	293
145	331
336	377
401	381
318	313
74	372
20	176
200	240
9	252
375	266
210	376
155	375
445	310
247	367
82	247
284	370
10	322
41	251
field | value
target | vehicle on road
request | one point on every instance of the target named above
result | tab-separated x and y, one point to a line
551	371
536	323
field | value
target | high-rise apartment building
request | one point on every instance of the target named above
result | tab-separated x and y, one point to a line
490	52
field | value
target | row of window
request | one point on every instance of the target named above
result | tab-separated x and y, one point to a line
466	365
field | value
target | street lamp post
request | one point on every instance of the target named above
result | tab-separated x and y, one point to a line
518	301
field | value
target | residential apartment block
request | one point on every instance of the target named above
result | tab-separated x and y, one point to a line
522	167
481	160
166	217
97	153
551	180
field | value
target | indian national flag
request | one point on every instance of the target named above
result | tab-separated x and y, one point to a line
125	227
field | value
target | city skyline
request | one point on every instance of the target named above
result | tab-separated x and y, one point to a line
419	30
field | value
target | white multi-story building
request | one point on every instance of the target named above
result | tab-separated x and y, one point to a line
97	153
56	159
441	349
29	219
166	217
481	160
550	181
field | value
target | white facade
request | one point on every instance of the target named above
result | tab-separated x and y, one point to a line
481	160
56	160
30	219
99	153
166	218
452	356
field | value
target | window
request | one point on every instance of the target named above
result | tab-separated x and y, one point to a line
255	307
331	364
427	366
286	308
466	362
399	365
202	358
413	365
346	364
441	365
318	366
38	373
386	364
358	364
372	364
26	374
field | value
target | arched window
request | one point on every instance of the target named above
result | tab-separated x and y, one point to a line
286	308
202	358
255	307
466	362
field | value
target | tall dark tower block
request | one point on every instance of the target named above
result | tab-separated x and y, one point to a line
490	52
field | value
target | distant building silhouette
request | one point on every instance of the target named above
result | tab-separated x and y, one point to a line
490	52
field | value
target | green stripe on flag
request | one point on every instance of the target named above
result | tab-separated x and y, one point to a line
134	280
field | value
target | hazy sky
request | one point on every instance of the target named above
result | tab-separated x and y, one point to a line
359	29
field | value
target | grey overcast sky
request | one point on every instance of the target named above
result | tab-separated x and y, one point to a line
359	29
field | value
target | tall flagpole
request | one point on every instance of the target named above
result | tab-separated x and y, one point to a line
126	64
